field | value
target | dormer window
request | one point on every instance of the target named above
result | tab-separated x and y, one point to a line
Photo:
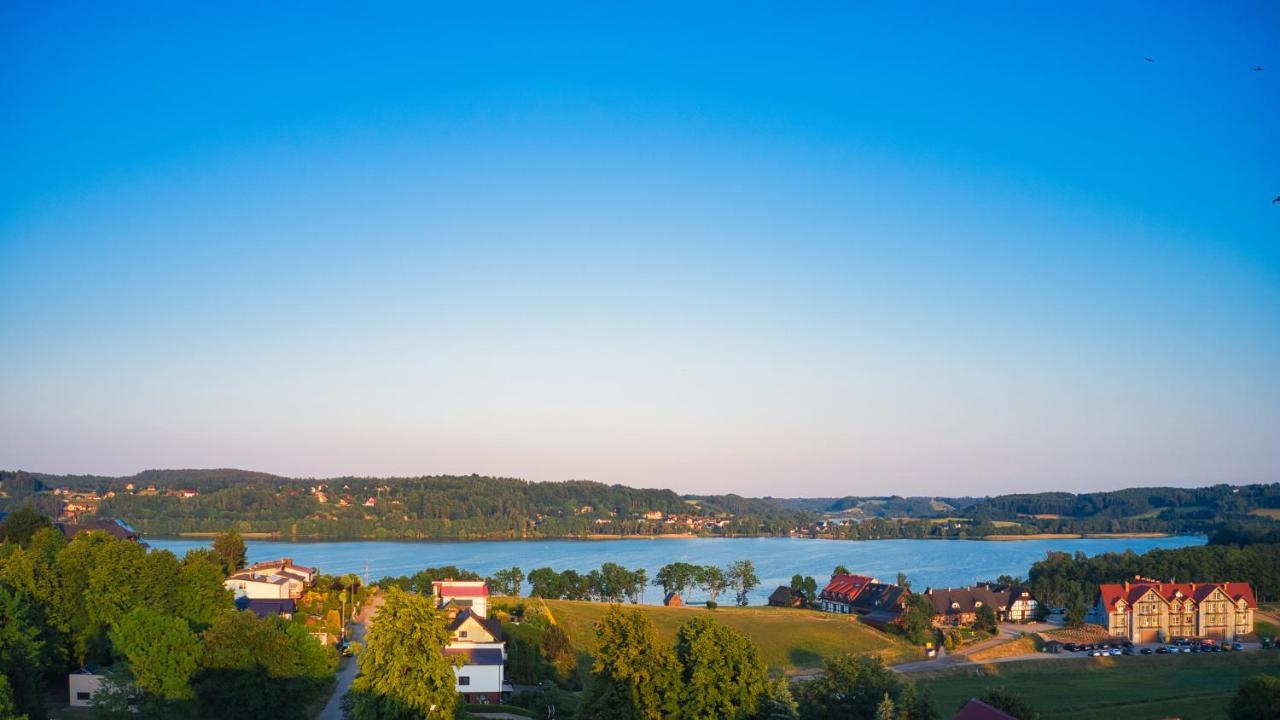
462	634
977	603
955	606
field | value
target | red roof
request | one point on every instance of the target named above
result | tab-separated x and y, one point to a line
460	589
975	709
1131	592
845	587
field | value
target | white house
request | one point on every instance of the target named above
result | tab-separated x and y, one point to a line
474	638
259	587
460	594
81	685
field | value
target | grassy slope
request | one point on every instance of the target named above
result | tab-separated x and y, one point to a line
1134	688
788	639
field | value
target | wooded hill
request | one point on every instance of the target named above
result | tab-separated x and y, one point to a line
449	506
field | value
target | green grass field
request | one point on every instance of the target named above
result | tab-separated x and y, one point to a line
789	639
1191	687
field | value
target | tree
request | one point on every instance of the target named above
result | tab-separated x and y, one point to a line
885	710
902	581
916	621
545	583
678	577
634	676
1001	698
1074	616
8	707
840	570
508	582
722	675
1257	697
742	576
161	651
777	702
854	687
713	580
986	620
558	650
22	524
229	548
20	653
403	673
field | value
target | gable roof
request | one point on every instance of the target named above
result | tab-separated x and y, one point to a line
493	626
975	709
880	596
844	588
249	576
1111	594
782	594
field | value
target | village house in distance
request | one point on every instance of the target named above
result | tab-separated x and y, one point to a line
1145	610
475	638
272	587
959	606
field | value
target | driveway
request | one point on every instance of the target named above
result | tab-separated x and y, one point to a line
347	672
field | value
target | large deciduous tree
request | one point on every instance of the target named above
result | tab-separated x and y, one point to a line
722	675
229	547
742	576
403	673
635	676
22	524
162	652
1257	697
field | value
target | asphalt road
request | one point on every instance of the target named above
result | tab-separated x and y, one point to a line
347	672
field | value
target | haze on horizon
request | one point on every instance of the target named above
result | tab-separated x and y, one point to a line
756	248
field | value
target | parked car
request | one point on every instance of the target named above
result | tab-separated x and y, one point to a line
1163	650
1115	651
1237	645
1096	653
1147	651
1127	651
1071	647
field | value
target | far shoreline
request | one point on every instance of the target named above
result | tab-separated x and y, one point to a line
279	537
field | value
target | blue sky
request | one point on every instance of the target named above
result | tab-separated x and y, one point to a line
845	249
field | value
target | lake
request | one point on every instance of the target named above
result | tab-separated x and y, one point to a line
936	563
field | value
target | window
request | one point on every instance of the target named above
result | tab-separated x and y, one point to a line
81	695
464	680
462	633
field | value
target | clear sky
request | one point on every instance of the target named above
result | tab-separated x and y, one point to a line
772	248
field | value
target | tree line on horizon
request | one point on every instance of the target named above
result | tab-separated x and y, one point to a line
477	506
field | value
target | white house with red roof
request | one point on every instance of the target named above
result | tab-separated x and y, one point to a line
839	594
475	638
459	594
1145	610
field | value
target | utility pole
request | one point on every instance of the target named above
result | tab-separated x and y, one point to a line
366	572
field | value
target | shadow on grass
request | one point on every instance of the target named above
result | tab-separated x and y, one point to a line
802	658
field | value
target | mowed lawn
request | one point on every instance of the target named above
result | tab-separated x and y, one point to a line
1193	687
789	640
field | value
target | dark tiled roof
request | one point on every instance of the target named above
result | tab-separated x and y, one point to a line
880	596
115	528
262	607
975	709
493	625
782	594
476	656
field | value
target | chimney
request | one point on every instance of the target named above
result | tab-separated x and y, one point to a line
1126	586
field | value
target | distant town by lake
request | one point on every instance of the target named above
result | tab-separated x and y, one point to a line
927	563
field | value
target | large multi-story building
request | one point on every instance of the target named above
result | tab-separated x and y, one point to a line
1145	610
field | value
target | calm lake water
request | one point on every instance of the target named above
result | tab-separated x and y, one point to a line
937	563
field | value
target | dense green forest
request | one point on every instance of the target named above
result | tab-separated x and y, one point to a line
473	506
163	631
